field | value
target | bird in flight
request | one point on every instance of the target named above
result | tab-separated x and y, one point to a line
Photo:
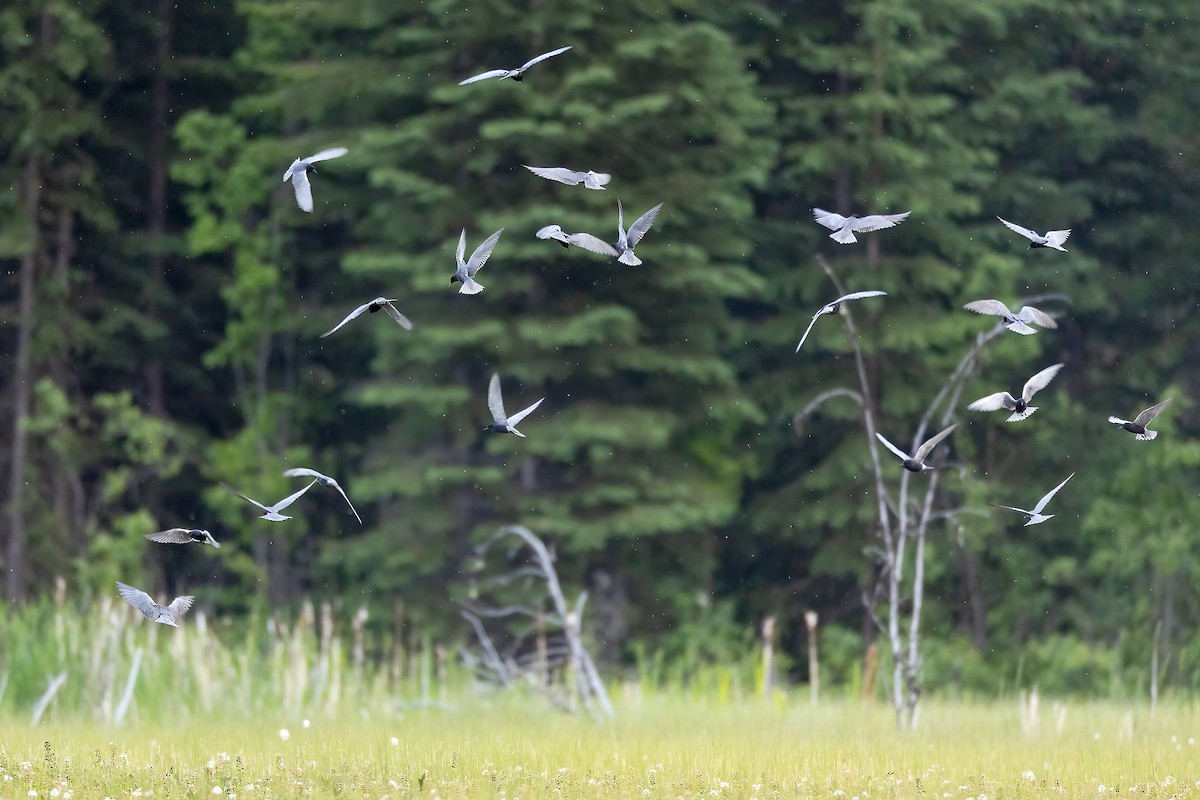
517	74
297	173
183	536
272	512
1036	516
916	462
372	307
589	179
1019	406
622	249
1139	423
164	615
1019	322
832	308
324	480
1052	239
465	273
501	422
844	228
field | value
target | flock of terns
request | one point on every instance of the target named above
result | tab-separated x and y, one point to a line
844	230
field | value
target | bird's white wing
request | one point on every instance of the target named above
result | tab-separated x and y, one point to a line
287	501
638	229
523	413
1028	234
1057	237
345	497
993	307
858	296
395	314
924	450
903	455
355	314
544	56
1013	508
138	599
482	253
1036	317
1147	416
592	244
483	76
287	176
180	606
1039	381
829	220
303	190
993	402
811	322
1117	420
555	233
325	155
172	536
599	179
1050	495
247	499
495	400
875	222
303	472
561	174
460	254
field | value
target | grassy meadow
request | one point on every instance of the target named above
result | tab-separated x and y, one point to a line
97	704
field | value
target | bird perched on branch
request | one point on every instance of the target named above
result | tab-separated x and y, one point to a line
1019	406
844	228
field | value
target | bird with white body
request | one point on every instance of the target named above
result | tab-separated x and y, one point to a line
833	308
844	228
297	173
1036	517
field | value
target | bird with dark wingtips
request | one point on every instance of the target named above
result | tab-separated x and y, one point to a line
324	480
833	308
844	228
1138	425
1019	406
272	512
163	615
183	536
465	273
1036	517
372	307
1019	322
554	233
1052	239
517	74
916	462
501	422
297	173
571	177
622	249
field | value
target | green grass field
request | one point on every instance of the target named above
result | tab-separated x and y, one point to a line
513	747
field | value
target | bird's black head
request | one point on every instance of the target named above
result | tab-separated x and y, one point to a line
518	77
455	279
371	309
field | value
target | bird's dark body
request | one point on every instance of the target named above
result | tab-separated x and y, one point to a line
564	244
518	77
1020	405
455	279
496	427
374	307
198	535
1133	427
913	466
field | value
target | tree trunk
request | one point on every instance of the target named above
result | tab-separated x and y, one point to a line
157	211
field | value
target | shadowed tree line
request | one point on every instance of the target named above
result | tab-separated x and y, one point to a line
164	298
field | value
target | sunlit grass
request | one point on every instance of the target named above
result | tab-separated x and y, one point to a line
513	747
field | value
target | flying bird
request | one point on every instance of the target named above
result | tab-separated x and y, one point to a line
1036	516
589	179
502	423
272	512
832	308
164	615
517	74
622	249
465	274
370	308
555	234
1138	425
844	228
916	463
1019	322
324	480
298	174
183	536
1019	406
1052	239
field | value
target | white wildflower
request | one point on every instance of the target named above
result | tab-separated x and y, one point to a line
396	743
1029	776
284	734
306	723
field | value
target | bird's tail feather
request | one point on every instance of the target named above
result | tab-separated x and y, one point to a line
1020	415
629	259
1147	436
844	236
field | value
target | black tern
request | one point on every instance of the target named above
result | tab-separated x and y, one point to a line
916	463
1019	406
272	512
555	234
324	480
844	228
1052	239
832	308
622	249
164	615
465	274
517	74
183	536
502	423
589	179
372	307
1138	425
1019	322
298	174
1036	516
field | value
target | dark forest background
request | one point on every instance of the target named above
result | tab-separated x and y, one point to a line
163	298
